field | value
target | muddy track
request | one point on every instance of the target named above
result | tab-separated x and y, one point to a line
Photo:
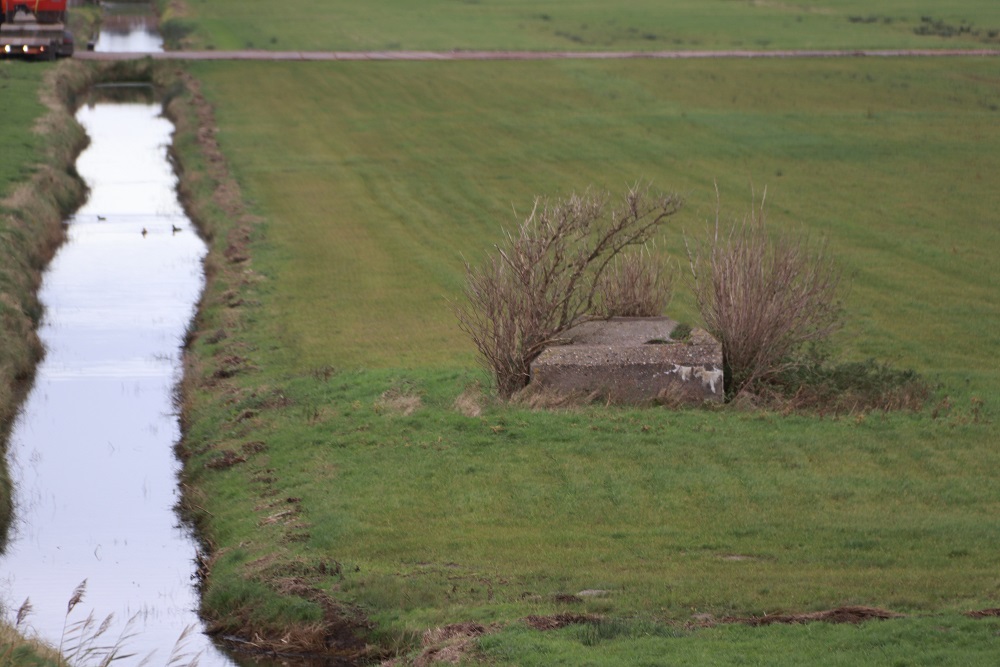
531	55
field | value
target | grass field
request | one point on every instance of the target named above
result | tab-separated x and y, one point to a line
379	178
374	180
589	25
336	458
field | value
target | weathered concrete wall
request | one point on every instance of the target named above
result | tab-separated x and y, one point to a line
633	360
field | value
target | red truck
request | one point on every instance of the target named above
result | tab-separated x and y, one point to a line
35	29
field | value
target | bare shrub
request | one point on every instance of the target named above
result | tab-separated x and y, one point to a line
543	278
763	297
639	283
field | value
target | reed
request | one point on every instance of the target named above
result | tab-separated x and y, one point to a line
85	642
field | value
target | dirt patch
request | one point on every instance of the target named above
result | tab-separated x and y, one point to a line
226	458
449	644
230	365
338	633
853	615
447	633
984	613
398	402
470	401
558	621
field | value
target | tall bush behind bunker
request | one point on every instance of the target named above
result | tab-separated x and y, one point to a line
763	297
544	278
638	283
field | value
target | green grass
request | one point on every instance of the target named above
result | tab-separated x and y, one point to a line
587	25
375	179
672	512
947	640
19	145
378	178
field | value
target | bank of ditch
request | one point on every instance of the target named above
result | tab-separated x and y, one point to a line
31	229
272	612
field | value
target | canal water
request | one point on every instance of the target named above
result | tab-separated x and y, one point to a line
128	27
92	451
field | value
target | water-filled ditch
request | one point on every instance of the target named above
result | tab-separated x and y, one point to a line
128	27
92	451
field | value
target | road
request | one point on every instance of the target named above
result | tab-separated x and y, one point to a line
528	55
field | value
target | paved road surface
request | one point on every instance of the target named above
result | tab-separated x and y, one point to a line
524	55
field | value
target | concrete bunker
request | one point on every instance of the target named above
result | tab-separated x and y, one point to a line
633	360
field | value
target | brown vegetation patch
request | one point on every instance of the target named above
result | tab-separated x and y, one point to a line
337	636
217	336
470	401
264	477
447	633
254	447
284	516
452	654
449	645
230	365
399	402
557	621
227	458
546	398
984	613
839	615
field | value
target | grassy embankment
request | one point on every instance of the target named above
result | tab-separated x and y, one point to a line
38	141
588	25
312	477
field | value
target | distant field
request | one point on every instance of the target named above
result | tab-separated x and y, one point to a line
584	24
376	179
379	178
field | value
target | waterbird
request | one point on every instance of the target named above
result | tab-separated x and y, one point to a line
144	232
101	218
174	229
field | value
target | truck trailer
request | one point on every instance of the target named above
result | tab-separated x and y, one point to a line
34	29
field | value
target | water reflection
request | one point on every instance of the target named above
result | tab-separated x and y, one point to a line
128	27
92	450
